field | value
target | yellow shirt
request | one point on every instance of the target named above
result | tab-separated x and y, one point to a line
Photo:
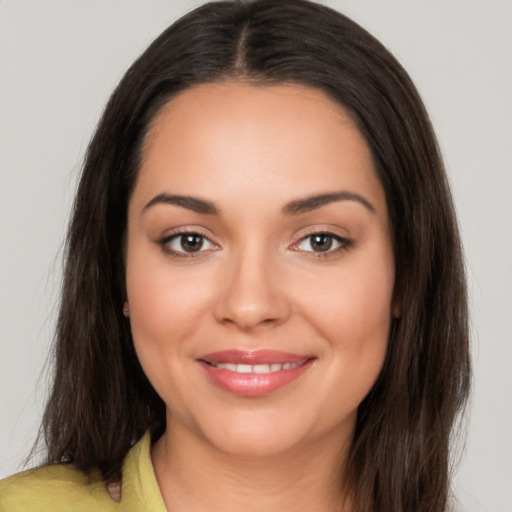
63	488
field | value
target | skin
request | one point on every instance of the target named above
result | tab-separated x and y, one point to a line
258	283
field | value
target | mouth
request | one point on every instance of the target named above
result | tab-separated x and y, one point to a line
254	373
256	368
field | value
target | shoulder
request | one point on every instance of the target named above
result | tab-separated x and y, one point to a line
63	488
55	488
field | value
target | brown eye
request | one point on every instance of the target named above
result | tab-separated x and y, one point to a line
183	244
191	242
321	242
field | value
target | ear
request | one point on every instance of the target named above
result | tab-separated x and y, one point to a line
126	309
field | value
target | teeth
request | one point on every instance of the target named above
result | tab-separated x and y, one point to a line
261	368
257	368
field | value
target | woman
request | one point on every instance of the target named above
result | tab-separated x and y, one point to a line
305	351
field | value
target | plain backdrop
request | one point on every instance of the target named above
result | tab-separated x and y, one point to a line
59	61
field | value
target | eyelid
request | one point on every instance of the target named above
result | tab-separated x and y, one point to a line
165	241
344	242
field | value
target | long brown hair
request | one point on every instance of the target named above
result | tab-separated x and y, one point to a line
101	401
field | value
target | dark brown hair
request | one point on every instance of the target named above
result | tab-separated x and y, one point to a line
101	401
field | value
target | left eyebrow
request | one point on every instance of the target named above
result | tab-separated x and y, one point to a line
317	201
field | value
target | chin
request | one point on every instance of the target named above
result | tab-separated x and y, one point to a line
257	443
270	433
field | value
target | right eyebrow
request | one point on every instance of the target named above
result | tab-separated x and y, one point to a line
190	203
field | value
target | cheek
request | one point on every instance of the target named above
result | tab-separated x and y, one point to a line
353	316
166	311
352	300
165	305
366	307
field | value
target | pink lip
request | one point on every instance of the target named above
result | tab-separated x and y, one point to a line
253	384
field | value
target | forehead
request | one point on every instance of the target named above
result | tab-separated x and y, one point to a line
287	113
277	141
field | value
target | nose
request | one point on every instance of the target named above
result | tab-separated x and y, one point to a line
251	295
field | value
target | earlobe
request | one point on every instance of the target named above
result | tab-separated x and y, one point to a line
126	309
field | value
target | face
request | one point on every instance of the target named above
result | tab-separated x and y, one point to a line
259	267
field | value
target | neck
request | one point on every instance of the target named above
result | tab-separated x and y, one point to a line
195	476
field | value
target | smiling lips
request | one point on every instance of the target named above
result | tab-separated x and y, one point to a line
254	373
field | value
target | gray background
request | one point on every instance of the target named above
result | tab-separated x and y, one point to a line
59	61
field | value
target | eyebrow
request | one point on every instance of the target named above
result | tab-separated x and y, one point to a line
295	207
190	203
317	201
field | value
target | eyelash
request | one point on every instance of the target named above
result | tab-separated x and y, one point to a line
344	244
165	244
